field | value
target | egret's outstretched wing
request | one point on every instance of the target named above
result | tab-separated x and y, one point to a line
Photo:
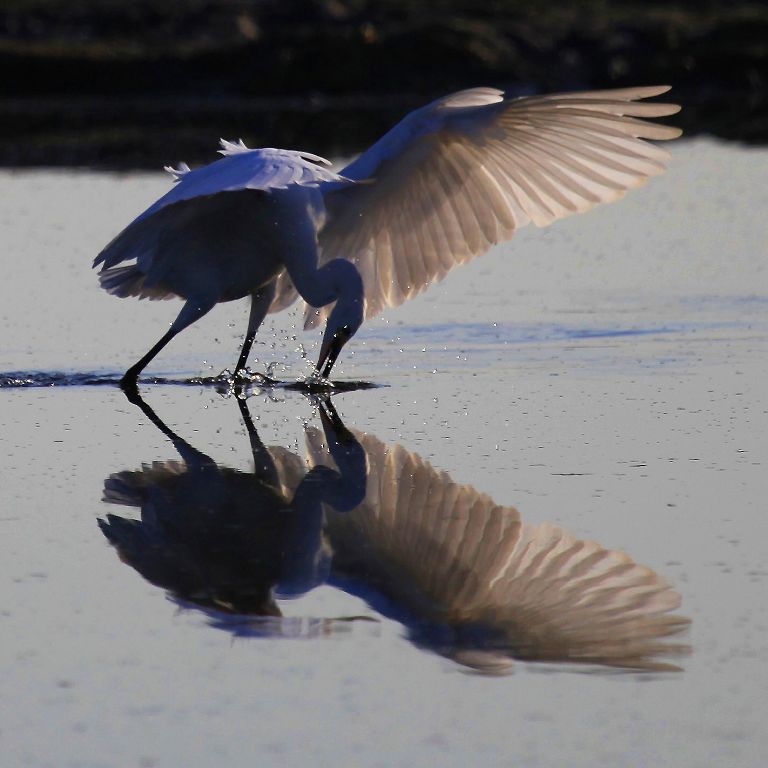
453	556
463	173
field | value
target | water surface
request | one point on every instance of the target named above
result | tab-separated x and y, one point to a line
597	386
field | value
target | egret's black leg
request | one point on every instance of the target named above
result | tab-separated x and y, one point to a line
260	302
191	311
129	382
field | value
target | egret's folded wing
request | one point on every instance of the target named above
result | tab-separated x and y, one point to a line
240	169
244	168
463	173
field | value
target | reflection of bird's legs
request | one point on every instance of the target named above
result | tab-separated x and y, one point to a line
260	302
154	418
264	467
193	310
191	456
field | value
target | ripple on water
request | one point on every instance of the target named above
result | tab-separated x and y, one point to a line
224	382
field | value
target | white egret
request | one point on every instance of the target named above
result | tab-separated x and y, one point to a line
445	184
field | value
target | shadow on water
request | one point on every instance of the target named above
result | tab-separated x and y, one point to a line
223	383
467	578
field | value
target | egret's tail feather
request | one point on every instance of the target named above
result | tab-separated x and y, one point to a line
129	281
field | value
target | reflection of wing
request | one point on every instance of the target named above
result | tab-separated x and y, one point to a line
129	488
207	486
210	534
290	469
451	556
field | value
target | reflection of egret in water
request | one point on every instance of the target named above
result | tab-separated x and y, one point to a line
226	539
465	576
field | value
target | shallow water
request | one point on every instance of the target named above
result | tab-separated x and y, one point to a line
586	390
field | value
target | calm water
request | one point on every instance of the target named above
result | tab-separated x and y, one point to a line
542	542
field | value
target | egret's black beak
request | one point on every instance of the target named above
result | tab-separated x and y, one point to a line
330	349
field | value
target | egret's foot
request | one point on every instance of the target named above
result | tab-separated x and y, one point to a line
316	376
245	376
130	386
316	383
316	399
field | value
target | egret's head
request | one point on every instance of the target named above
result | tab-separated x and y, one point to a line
346	318
343	284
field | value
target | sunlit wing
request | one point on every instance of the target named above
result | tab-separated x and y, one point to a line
452	555
463	173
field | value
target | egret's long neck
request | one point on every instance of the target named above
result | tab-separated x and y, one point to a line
337	281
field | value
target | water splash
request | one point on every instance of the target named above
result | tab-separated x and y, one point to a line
225	382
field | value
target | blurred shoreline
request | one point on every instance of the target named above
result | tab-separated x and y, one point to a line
106	84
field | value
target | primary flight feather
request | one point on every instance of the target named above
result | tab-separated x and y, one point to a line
447	183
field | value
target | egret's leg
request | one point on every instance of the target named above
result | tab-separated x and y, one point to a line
260	302
191	311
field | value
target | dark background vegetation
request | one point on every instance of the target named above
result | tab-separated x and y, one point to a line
140	83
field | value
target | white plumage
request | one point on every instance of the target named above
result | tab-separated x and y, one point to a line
463	173
443	186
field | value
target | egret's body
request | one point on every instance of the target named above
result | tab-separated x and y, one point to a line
447	183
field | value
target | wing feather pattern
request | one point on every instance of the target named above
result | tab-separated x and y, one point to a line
463	173
451	555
